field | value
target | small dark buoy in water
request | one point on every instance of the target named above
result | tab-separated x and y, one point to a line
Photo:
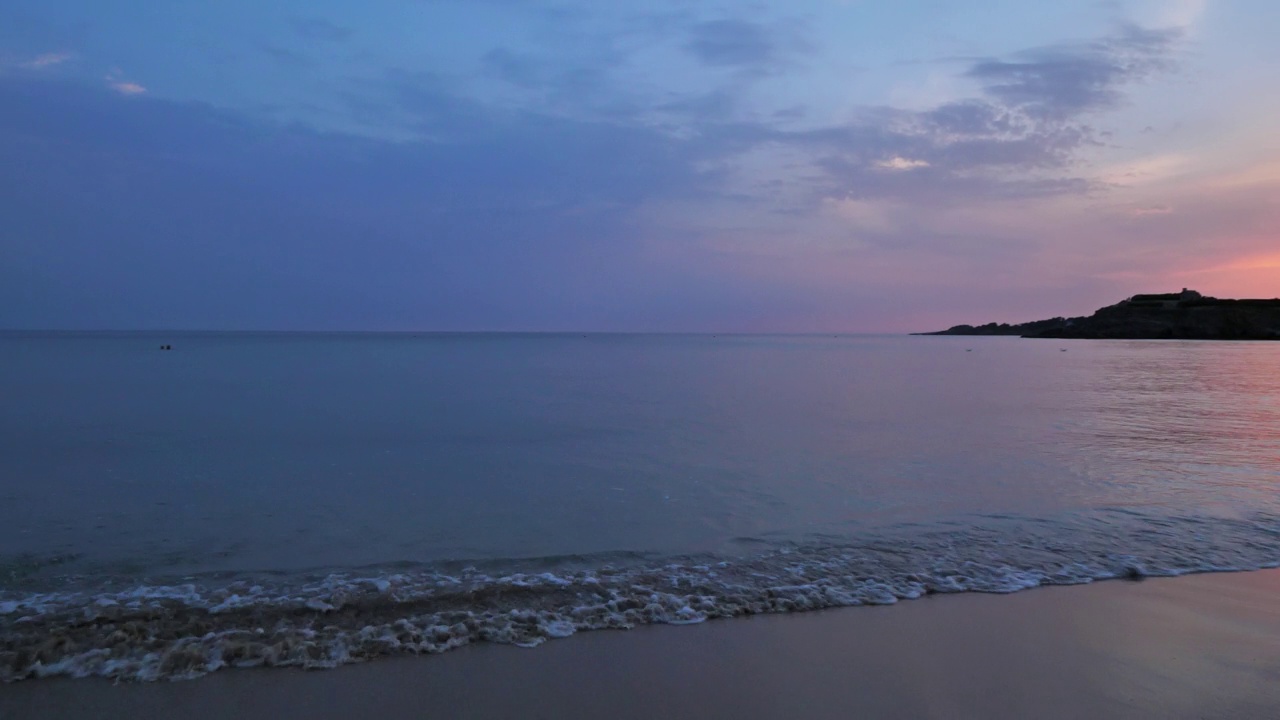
1063	349
968	349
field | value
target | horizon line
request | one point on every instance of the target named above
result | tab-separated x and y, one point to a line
208	331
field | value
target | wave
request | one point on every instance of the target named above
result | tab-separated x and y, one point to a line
185	630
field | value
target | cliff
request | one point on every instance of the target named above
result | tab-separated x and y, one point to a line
1183	316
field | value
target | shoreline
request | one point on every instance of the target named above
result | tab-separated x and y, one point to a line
1199	646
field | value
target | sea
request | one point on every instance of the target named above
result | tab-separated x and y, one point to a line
311	500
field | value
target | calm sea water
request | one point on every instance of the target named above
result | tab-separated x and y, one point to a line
789	472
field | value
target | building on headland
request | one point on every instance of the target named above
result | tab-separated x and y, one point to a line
1187	315
1168	301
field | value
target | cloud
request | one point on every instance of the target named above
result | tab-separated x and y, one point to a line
1020	137
116	82
313	28
47	60
574	193
125	88
513	68
285	56
732	43
178	215
1062	82
900	163
744	44
943	181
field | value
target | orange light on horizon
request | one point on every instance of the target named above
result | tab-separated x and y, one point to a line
1250	276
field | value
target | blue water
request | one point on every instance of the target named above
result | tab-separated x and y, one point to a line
235	457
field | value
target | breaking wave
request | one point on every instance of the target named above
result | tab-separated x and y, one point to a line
187	629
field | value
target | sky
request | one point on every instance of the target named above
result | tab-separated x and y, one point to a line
656	165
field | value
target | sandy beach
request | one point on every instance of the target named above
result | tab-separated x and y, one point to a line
1202	646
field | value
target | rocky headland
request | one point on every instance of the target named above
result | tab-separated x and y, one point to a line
1187	315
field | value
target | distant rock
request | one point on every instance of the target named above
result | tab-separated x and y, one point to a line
1187	315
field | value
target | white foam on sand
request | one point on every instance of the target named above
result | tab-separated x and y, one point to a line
185	630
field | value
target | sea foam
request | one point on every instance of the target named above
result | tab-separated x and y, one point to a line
187	629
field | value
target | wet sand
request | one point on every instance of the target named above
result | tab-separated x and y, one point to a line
1204	646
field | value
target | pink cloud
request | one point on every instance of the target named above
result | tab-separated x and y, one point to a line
47	60
126	88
